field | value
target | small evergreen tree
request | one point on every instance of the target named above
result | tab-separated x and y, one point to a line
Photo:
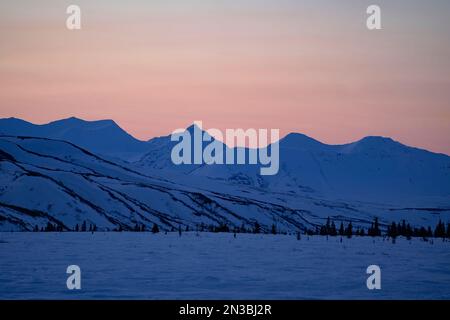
439	231
399	229
349	230
257	228
392	230
328	226
50	227
333	231
341	229
409	232
423	232
370	231
155	228
274	229
429	232
83	226
323	230
403	228
376	227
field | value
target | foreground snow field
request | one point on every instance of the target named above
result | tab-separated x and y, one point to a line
219	266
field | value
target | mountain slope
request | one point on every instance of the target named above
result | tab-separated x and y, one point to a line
371	169
102	137
374	168
45	180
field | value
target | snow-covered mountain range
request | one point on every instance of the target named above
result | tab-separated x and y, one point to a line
71	170
102	137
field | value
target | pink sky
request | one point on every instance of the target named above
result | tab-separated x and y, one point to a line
157	66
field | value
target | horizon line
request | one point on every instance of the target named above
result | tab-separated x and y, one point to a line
193	124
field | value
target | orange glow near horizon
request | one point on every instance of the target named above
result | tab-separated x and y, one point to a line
309	67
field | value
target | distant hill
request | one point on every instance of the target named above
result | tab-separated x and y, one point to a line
103	137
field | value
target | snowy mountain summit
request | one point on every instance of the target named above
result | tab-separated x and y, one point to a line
70	171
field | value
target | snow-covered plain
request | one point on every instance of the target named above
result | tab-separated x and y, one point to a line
219	266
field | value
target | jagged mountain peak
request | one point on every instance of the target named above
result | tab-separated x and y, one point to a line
194	126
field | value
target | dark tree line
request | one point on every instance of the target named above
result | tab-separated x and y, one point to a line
393	230
255	227
55	227
374	230
50	227
330	228
83	227
139	228
223	227
405	229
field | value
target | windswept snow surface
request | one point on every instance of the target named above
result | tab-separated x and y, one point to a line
219	266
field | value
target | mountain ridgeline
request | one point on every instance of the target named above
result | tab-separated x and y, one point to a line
71	171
